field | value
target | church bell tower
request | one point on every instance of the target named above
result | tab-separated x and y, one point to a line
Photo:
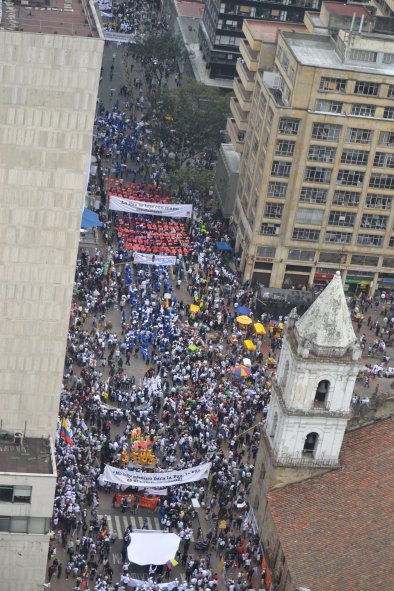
312	391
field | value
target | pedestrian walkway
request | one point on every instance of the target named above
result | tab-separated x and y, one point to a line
119	523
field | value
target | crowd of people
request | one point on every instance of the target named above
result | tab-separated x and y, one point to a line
188	405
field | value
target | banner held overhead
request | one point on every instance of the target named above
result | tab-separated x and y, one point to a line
172	210
142	258
155	479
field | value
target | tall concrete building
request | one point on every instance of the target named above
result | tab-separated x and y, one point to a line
220	32
315	190
50	60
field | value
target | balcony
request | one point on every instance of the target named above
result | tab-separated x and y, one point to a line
240	116
251	57
247	77
236	135
244	97
274	83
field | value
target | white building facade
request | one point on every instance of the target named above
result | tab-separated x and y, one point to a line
50	62
311	397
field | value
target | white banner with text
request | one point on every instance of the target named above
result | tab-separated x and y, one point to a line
142	258
172	210
155	479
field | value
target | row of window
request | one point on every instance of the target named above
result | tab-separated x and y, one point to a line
327	154
24	525
297	254
358	109
362	87
346	198
309	235
336	218
332	132
15	494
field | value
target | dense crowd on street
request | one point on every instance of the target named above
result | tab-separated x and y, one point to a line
189	404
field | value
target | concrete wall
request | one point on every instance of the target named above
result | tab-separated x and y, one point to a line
48	91
23	561
43	491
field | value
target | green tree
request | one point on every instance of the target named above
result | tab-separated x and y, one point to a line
190	120
189	177
161	53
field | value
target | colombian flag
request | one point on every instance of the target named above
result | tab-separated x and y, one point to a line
65	432
171	563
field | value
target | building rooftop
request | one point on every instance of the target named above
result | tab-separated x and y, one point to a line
319	51
336	529
267	32
33	456
61	17
185	8
342	9
326	326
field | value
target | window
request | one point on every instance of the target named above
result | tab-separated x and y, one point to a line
263	103
332	84
321	394
306	234
328	106
388	58
361	110
386	138
332	257
378	201
359	136
363	55
273	210
384	159
374	221
285	148
360	259
280	168
316	174
26	525
390	92
309	216
338	237
270	229
288	126
388	262
346	198
391	242
301	255
358	157
350	177
321	153
369	240
313	195
266	252
388	113
325	131
382	181
341	218
310	443
366	88
277	190
15	494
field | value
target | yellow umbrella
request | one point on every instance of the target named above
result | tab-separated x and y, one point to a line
250	345
194	309
244	320
259	328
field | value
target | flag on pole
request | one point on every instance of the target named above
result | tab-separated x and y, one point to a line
66	432
172	563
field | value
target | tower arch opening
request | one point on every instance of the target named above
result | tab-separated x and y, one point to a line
310	443
321	394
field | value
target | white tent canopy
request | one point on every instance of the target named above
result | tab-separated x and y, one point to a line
152	547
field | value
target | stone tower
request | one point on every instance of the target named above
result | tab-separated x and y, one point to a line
311	394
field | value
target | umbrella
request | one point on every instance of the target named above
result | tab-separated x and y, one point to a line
243	310
192	347
259	328
194	309
250	345
244	320
241	371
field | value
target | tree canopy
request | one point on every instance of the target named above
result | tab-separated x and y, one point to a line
161	52
189	119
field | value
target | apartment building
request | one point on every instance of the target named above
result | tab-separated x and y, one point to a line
220	32
316	176
50	60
